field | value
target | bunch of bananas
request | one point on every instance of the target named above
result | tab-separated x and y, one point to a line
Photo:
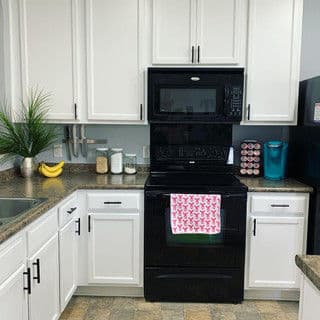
51	171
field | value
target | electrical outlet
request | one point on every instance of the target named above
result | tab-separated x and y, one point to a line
145	152
57	150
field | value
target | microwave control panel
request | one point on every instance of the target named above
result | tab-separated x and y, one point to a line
234	101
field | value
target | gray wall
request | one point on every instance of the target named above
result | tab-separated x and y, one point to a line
133	138
310	54
130	138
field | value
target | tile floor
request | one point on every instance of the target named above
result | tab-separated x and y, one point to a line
105	308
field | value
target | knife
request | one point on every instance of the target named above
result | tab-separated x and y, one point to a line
67	141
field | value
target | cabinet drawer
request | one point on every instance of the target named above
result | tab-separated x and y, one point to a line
113	200
68	210
12	256
277	203
41	231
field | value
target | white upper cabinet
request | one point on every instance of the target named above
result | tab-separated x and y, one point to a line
273	61
218	31
174	32
49	52
114	77
197	31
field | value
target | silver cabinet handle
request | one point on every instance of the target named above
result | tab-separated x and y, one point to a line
249	109
198	54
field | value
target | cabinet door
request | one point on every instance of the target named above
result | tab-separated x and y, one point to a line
309	304
115	86
13	299
114	248
68	262
174	31
218	31
44	298
49	52
273	60
274	242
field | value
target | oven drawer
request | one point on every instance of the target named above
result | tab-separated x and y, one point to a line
114	200
193	284
274	203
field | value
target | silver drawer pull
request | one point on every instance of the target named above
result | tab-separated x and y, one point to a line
112	202
280	205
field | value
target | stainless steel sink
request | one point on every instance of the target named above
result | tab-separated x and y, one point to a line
12	207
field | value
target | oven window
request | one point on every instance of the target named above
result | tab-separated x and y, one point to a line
193	239
188	100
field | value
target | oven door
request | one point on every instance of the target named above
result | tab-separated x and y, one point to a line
163	248
194	95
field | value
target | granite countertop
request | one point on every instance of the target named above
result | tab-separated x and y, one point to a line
57	189
310	266
263	185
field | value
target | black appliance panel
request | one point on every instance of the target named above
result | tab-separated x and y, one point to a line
304	165
195	95
309	102
190	147
226	249
194	284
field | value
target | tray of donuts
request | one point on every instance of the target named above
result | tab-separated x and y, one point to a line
251	158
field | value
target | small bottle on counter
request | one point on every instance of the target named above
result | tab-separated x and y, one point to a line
116	160
102	165
130	163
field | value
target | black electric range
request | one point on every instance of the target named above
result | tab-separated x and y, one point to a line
193	159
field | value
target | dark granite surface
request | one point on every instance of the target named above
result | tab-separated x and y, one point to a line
310	266
83	177
56	189
262	185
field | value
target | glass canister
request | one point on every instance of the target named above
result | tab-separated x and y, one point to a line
116	160
102	165
130	163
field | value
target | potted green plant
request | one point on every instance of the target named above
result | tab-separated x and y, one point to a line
29	134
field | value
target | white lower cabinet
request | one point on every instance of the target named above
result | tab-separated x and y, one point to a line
13	299
274	243
114	248
68	262
309	306
276	232
40	266
44	297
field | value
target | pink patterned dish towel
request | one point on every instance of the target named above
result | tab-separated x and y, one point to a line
195	213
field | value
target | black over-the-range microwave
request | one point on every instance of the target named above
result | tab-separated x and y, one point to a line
208	95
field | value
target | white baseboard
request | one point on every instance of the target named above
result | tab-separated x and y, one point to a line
260	294
250	294
109	291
